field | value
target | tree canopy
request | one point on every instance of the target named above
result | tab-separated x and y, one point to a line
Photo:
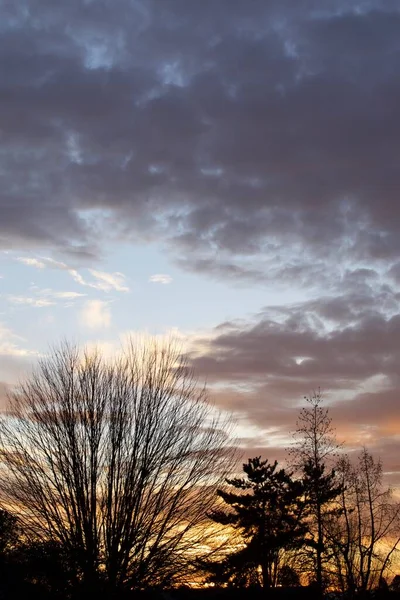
117	461
267	506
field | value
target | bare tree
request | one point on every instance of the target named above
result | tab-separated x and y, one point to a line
116	460
364	535
315	447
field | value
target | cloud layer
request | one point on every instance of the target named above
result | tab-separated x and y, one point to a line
249	131
257	143
262	368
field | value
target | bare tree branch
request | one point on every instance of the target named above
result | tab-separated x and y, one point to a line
118	461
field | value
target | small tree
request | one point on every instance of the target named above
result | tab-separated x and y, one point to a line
116	461
267	508
315	447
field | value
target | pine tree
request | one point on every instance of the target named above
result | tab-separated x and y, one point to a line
267	507
316	445
321	489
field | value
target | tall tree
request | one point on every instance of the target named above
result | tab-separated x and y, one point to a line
117	461
267	507
364	536
315	446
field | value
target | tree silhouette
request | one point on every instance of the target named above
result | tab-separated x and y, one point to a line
116	461
10	534
365	535
267	509
43	569
315	446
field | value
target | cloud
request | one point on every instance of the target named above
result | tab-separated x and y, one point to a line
262	367
160	278
251	137
48	263
16	360
108	281
103	281
43	298
95	314
241	142
43	262
29	301
62	295
32	262
10	344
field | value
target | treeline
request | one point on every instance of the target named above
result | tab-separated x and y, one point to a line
328	522
116	479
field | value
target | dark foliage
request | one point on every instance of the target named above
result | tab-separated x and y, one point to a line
315	447
288	577
267	507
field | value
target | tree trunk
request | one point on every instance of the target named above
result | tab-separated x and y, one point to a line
320	548
266	575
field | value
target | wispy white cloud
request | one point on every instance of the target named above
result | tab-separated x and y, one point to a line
160	278
61	295
43	262
77	277
10	343
96	314
30	301
103	281
109	281
31	262
43	298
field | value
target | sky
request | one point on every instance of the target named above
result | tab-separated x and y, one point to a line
225	169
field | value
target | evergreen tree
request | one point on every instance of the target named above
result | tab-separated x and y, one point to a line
321	489
316	445
267	507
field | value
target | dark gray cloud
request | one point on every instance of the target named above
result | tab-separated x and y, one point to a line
346	345
245	129
340	340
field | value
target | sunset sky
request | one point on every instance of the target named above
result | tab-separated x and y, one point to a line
227	169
